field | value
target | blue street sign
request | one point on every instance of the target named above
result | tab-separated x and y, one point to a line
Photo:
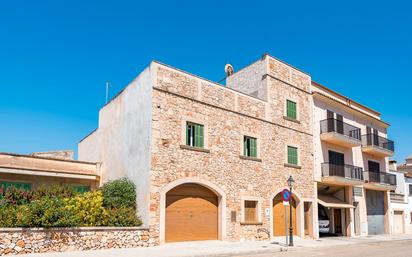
286	195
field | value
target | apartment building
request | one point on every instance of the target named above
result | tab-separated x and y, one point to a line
351	165
210	161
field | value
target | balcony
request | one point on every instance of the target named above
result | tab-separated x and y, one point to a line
343	175
378	180
377	145
340	133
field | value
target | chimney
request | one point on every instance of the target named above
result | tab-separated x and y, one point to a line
392	165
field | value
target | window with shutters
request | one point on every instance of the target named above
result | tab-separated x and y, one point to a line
81	188
250	146
251	211
19	185
292	155
291	112
194	135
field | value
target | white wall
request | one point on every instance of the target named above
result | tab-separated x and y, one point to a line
122	142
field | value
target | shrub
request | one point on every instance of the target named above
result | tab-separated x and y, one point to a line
55	190
7	216
61	206
15	196
88	209
119	193
50	212
123	217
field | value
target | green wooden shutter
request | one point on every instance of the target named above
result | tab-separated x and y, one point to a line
18	185
253	147
291	109
81	189
292	155
187	134
199	136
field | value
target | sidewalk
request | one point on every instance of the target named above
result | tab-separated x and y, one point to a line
216	248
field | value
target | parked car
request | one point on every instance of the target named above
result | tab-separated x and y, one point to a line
324	222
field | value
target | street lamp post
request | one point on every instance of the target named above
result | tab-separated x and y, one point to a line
291	182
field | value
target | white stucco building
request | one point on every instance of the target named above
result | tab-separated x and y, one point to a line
401	201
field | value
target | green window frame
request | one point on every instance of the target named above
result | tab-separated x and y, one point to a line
195	135
250	146
292	155
291	110
81	188
19	185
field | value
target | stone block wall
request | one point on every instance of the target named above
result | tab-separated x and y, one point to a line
22	241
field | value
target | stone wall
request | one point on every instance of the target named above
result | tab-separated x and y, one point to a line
21	241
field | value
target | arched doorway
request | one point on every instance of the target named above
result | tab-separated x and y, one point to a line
278	210
191	213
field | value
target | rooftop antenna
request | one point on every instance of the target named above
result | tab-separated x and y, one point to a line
107	90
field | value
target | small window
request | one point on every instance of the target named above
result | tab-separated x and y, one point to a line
292	155
251	211
291	109
81	189
250	146
194	135
19	185
411	217
410	189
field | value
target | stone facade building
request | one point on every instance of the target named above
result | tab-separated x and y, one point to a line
226	187
210	161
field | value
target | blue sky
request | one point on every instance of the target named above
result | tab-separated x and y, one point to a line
55	56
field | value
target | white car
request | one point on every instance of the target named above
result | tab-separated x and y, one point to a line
324	223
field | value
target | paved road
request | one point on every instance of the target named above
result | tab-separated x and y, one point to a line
379	249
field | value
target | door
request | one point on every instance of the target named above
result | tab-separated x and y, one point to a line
357	218
336	164
337	218
279	226
339	124
398	222
191	214
307	207
331	121
373	166
376	212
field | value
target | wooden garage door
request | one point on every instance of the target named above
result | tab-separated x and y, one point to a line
279	228
191	214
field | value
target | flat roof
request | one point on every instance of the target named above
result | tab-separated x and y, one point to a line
46	158
346	98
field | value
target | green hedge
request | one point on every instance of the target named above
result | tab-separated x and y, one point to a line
61	206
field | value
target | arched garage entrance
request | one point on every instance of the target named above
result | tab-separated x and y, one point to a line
192	213
279	226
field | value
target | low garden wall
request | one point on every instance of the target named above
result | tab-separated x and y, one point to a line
39	240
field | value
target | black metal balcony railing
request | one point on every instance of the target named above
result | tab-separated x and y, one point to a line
378	141
380	177
344	171
337	126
